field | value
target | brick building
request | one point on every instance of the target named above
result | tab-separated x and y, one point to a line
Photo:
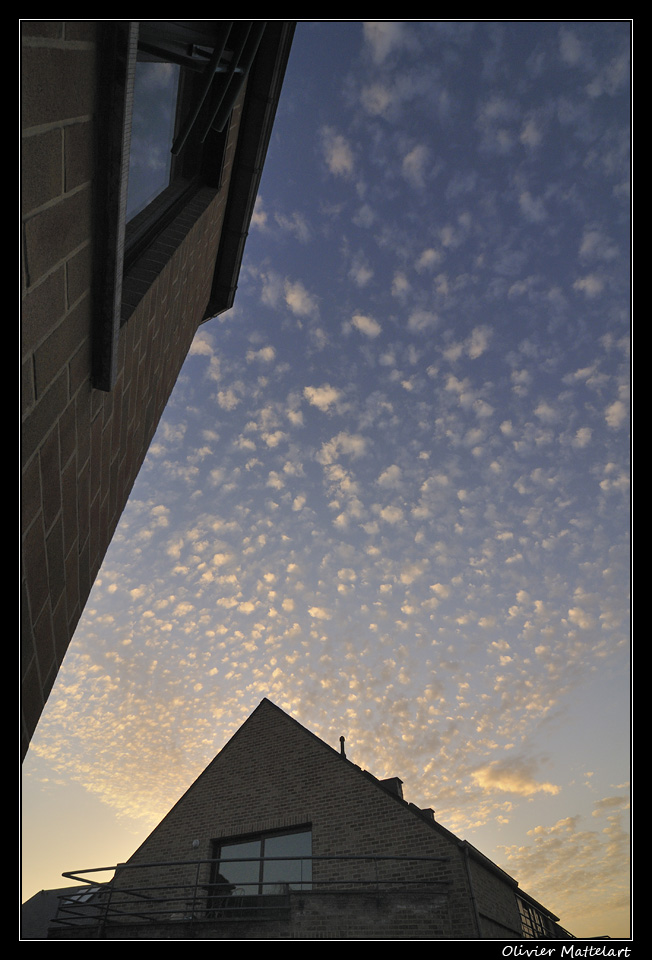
116	282
283	837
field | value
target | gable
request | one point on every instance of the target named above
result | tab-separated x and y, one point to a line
275	774
282	828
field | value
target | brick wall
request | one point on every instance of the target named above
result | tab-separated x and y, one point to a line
82	448
496	903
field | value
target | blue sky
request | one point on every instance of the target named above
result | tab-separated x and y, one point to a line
391	489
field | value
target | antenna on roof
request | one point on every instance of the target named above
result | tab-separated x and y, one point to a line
342	747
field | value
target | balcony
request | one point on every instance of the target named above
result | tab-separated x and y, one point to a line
192	899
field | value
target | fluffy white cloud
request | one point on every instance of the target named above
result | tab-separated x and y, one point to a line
319	613
337	153
299	300
366	325
616	414
264	355
352	444
322	397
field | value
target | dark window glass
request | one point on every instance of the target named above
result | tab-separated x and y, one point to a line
535	925
156	87
261	875
296	873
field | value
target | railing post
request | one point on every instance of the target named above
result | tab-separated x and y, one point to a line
194	893
102	925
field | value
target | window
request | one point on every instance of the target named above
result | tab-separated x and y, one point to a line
534	924
266	864
156	88
186	78
166	92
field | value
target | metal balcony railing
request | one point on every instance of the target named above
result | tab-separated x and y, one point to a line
192	891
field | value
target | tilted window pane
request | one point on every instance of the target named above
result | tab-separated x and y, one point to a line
156	86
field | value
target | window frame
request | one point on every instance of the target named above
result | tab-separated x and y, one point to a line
535	925
195	164
261	837
203	134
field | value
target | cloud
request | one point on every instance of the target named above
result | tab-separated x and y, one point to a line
580	618
512	776
612	78
596	245
441	589
319	613
616	414
299	300
428	259
322	397
337	152
591	285
582	437
478	342
202	345
361	273
295	224
264	355
259	216
421	320
414	166
228	399
391	514
532	208
531	134
570	48
413	571
496	119
272	289
376	98
366	325
383	36
391	477
545	412
352	444
400	284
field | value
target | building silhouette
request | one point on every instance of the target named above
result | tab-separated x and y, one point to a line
283	837
119	270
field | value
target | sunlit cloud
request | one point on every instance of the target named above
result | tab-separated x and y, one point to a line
366	325
299	300
337	153
322	397
515	775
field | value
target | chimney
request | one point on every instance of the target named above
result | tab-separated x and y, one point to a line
394	785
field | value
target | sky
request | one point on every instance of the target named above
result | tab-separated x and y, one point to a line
390	491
